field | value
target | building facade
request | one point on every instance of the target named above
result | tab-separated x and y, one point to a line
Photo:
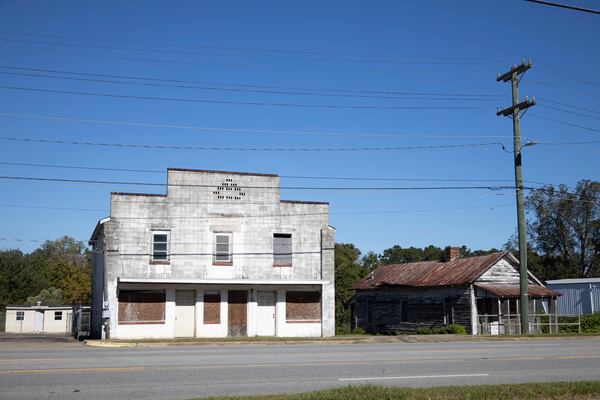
39	319
578	296
220	254
479	293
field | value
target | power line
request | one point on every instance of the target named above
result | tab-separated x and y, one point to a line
347	178
245	103
569	111
283	57
249	149
558	121
363	212
237	90
568	105
235	130
568	143
237	48
380	188
261	86
54	208
570	7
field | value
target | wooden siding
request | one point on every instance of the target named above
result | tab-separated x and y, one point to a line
501	272
403	310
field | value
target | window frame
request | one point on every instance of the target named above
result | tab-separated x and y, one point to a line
20	314
285	255
58	314
216	254
167	251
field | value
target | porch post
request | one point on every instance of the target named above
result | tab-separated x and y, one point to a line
474	315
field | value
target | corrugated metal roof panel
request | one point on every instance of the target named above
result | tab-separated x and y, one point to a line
460	271
503	290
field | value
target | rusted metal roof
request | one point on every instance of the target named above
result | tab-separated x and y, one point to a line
505	290
460	271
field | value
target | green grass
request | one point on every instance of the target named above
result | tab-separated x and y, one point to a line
528	391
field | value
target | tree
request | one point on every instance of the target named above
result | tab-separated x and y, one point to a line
565	230
347	273
62	264
49	296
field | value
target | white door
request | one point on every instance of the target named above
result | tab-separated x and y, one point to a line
266	313
39	321
185	310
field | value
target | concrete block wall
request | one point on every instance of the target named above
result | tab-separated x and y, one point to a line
200	203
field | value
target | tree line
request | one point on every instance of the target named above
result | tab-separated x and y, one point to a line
58	272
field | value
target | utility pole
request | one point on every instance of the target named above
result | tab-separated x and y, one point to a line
513	111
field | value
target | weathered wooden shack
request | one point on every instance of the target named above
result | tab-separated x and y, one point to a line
479	293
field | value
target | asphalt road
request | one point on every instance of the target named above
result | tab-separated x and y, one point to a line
69	370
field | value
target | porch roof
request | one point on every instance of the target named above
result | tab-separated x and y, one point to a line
507	290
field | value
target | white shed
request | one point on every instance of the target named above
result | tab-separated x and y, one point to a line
579	296
39	319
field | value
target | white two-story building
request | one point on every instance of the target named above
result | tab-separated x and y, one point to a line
220	254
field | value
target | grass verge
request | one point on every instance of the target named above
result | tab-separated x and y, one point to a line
528	391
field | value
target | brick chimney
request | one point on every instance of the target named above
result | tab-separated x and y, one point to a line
452	253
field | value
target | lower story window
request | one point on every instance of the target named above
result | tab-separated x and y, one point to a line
303	306
141	307
20	315
58	315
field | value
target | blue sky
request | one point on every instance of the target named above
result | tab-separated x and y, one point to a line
313	54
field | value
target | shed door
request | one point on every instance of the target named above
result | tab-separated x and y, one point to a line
237	311
39	321
185	309
266	313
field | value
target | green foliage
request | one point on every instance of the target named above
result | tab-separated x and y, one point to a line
61	264
49	296
524	391
423	330
565	230
590	323
359	331
400	255
452	329
347	273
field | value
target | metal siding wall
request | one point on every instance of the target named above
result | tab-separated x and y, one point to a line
595	297
575	298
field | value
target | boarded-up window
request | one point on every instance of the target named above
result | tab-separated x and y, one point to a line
303	306
212	308
142	307
282	250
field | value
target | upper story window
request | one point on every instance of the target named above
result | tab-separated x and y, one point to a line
160	246
20	315
222	249
58	315
282	250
